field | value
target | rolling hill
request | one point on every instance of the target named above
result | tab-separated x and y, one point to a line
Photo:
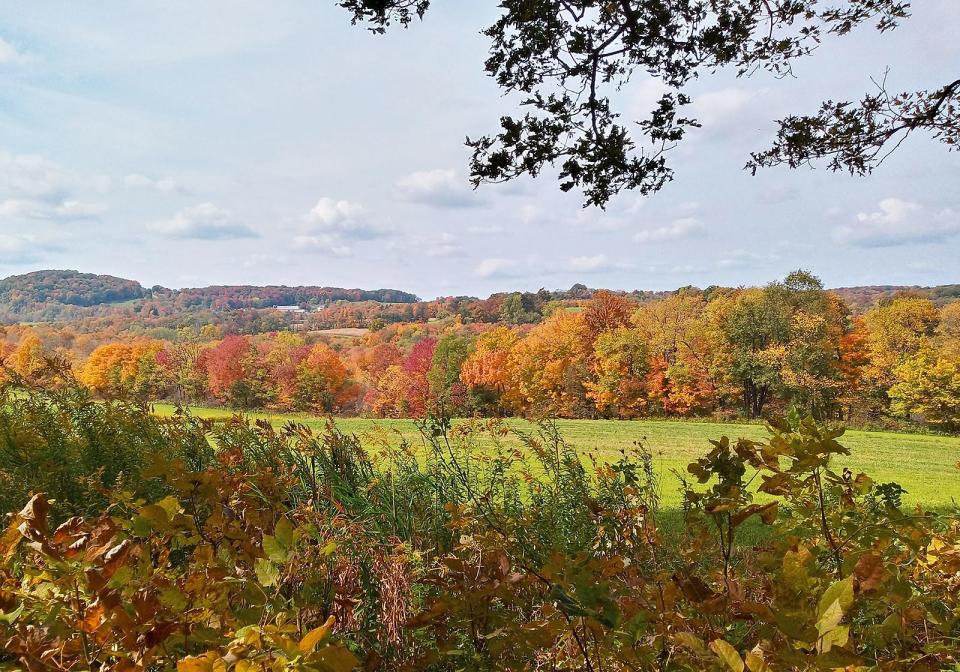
51	295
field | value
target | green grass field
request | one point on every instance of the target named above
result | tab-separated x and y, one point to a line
923	464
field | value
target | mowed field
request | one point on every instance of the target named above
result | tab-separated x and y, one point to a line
925	465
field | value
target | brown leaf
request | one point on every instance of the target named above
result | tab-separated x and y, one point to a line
437	609
767	512
870	572
33	516
69	530
115	557
693	587
92	618
33	524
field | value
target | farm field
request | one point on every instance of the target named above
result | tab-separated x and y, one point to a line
925	465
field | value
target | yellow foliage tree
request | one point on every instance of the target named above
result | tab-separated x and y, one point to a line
895	332
29	357
549	367
928	386
113	369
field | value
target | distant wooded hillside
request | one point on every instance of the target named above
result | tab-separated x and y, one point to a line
66	294
861	299
24	293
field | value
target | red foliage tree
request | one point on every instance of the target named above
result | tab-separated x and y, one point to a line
225	364
417	367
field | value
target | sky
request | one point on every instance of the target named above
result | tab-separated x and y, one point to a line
252	142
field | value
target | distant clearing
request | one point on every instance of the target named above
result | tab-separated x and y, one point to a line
926	465
346	332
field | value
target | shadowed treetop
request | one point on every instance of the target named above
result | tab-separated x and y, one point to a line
567	58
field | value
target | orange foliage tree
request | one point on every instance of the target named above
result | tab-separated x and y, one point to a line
323	382
125	368
548	368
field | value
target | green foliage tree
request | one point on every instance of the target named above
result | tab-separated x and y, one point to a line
444	375
758	328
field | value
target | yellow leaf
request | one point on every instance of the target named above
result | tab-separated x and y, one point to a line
338	659
690	641
831	618
309	642
840	593
836	637
727	654
205	663
756	663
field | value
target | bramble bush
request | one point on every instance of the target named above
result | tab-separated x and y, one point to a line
143	544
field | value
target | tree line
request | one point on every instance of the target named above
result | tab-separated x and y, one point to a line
747	352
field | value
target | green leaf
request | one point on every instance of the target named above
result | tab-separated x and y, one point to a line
756	663
173	599
171	505
267	572
830	619
284	533
121	577
11	617
796	571
141	527
156	514
274	549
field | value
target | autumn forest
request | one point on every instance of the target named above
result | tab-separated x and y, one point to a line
720	352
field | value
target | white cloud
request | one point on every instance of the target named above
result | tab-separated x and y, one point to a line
204	222
485	229
745	259
138	181
440	188
9	53
495	267
325	244
646	96
19	248
333	213
32	176
675	230
79	210
443	245
899	222
686	208
589	264
15	208
719	108
342	219
33	187
332	227
261	260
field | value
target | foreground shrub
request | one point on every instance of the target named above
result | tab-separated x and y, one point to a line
77	450
296	551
